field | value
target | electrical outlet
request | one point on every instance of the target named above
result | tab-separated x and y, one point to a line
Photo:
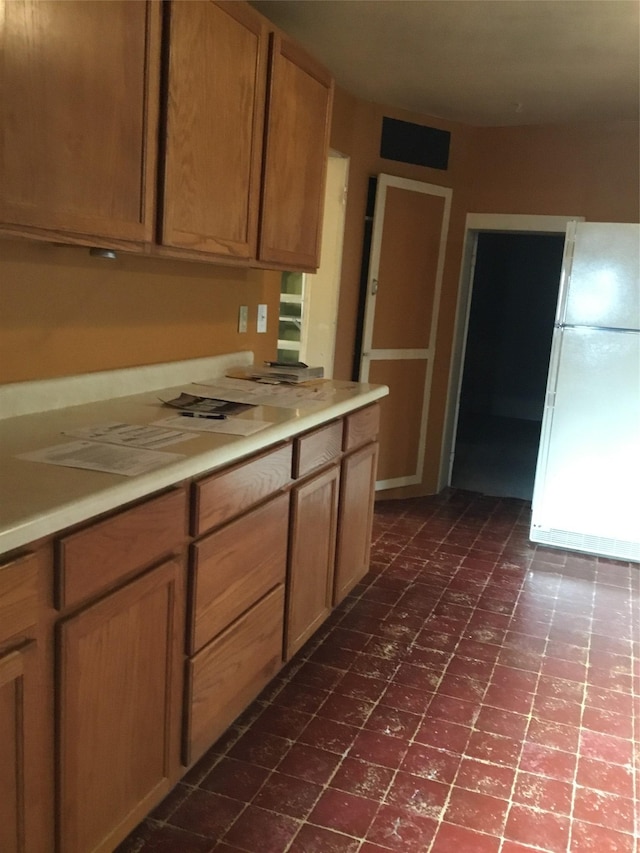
261	325
243	318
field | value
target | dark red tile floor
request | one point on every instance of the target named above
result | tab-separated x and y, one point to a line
474	694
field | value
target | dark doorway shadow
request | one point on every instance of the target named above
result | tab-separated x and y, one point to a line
515	290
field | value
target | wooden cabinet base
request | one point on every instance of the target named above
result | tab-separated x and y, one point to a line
228	674
357	493
16	768
314	513
119	705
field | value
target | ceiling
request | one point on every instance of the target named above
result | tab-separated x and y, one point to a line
481	62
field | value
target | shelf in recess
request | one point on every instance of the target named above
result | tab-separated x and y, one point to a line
290	345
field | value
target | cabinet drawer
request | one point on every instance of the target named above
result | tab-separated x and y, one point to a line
361	427
97	557
18	596
229	673
224	495
236	566
317	448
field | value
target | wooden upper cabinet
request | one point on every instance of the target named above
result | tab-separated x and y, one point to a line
79	98
296	146
214	131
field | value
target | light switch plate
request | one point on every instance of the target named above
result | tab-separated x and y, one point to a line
261	325
243	318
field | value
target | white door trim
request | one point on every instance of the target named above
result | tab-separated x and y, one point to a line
474	225
368	354
322	289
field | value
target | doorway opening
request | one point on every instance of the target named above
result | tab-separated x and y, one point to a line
515	290
309	302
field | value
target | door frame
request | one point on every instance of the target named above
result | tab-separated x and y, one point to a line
367	352
478	223
321	312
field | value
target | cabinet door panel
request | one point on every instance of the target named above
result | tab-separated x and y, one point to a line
297	137
104	553
317	449
229	673
18	596
12	782
22	767
361	427
236	566
215	119
311	557
226	494
357	492
118	706
79	95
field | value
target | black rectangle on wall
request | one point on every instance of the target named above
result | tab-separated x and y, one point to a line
407	142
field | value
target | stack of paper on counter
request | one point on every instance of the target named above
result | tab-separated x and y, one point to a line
203	405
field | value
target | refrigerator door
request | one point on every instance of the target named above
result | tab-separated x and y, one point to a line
600	279
586	489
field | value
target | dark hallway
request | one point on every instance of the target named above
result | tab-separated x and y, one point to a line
515	289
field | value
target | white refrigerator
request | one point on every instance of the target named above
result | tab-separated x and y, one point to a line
586	493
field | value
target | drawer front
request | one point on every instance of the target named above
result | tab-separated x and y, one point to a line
234	567
317	448
361	427
229	673
222	496
18	596
97	557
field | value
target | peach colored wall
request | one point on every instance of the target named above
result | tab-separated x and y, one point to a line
591	170
588	170
356	132
63	312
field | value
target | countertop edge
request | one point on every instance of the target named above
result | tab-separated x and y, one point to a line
69	514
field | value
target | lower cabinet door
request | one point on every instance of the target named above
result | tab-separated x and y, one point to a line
314	513
20	769
120	666
357	493
228	673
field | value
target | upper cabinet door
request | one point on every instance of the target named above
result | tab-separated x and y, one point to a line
79	92
215	121
297	138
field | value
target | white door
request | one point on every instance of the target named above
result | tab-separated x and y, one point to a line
321	291
410	226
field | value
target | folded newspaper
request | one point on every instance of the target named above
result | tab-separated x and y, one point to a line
206	405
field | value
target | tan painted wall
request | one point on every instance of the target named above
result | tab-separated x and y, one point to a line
63	312
356	132
589	170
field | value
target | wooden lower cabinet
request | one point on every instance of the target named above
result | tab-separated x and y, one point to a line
26	710
225	676
120	666
145	682
234	567
355	517
19	767
312	542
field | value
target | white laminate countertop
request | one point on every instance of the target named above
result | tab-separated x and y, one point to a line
37	499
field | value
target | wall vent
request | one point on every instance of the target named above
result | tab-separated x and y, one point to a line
407	142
